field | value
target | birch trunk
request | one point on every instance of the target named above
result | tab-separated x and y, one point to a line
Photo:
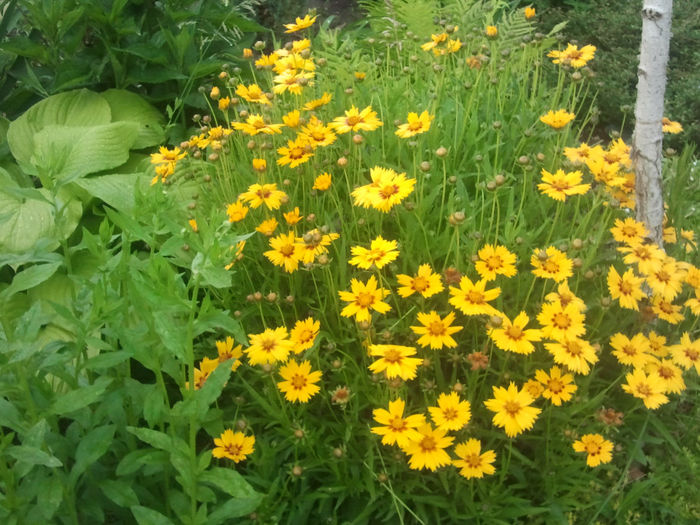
648	111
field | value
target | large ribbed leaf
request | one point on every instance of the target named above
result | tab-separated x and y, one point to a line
130	107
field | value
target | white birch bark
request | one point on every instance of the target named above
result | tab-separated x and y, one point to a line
648	111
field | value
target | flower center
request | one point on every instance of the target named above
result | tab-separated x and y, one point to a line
550	266
428	444
420	283
494	262
514	332
644	390
629	231
472	460
512	407
287	250
555	386
691	354
450	414
436	328
365	299
629	350
665	372
475	297
573	348
298	381
388	190
392	356
625	288
415	126
353	120
561	320
398	424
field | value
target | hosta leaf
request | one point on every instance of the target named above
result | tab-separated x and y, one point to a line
130	107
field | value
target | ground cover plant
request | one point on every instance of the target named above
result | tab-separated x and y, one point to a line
385	280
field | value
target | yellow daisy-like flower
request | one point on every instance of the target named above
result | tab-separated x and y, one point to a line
428	451
491	31
670	374
296	152
304	334
565	296
472	463
598	448
512	409
237	254
266	61
473	298
235	446
670	126
561	185
657	345
648	388
629	231
557	387
451	413
300	23
252	93
645	256
666	279
495	260
317	103
224	103
575	354
380	253
167	156
299	381
364	297
573	56
425	282
267	194
666	310
557	119
314	243
285	252
236	211
193	225
292	119
292	80
415	125
317	134
201	374
356	120
534	388
435	40
561	322
292	217
394	361
626	288
513	337
259	165
397	429
322	182
436	332
551	264
386	190
267	227
271	346
686	353
255	124
529	12
227	351
580	154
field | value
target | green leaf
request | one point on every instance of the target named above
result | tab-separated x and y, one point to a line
211	321
119	492
117	190
154	438
33	456
146	516
80	397
197	404
107	360
130	107
231	482
91	448
212	275
29	278
153	407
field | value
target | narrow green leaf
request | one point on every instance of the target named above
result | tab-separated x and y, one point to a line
146	516
154	438
91	448
120	492
81	397
29	278
32	456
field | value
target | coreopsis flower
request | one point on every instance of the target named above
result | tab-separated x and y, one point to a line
362	298
670	374
512	409
259	165
648	388
360	75
425	282
415	125
451	413
167	156
341	395
300	23
666	279
322	182
626	288
224	103
202	373
271	346
564	295
227	350
561	322
266	61
292	119
529	12
558	387
397	429
436	332
428	450
297	152
473	298
380	253
285	252
236	211
267	227
291	80
645	256
575	354
557	119
235	446
686	353
495	260
609	416
560	185
356	120
247	52
657	345
580	154
629	231
292	217
472	463
666	310
573	56
608	174
551	264
491	31
314	243
386	190
252	93
163	171
694	303
317	134
311	105
304	334
395	361
598	448
670	126
267	194
299	381
512	336
534	388
293	63
435	40
255	124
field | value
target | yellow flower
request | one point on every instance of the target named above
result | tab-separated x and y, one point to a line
259	165
224	103
512	336
271	346
386	190
313	244
557	387
427	451
364	297
193	225
236	211
215	93
671	375
266	194
451	413
436	332
238	254
473	298
247	52
573	56
580	154
291	119
560	185
292	81
299	45
201	374
397	429
235	446
304	334
322	182
629	231
666	310
297	152
646	256
317	103
534	388
299	381
491	31
557	119
360	75
648	388
317	134
255	124
252	93
670	126
666	279
355	120
512	409
529	13
301	23
598	448
494	260
561	322
266	61
472	463
426	282
435	40
285	252
169	156
415	125
551	264
687	353
227	351
380	253
293	217
394	360
267	227
575	354
627	289
565	296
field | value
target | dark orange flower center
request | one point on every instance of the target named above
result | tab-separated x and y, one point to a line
398	424
474	296
287	250
561	320
512	407
420	283
555	385
353	120
437	328
550	266
472	460
298	381
514	332
392	356
364	299
494	262
428	444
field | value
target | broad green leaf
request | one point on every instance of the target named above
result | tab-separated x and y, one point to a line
107	360
117	190
233	508
29	278
81	397
153	406
152	437
231	482
146	516
128	106
80	108
120	492
33	456
197	404
212	275
91	448
211	321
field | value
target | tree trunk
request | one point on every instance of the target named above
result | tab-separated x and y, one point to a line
647	139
